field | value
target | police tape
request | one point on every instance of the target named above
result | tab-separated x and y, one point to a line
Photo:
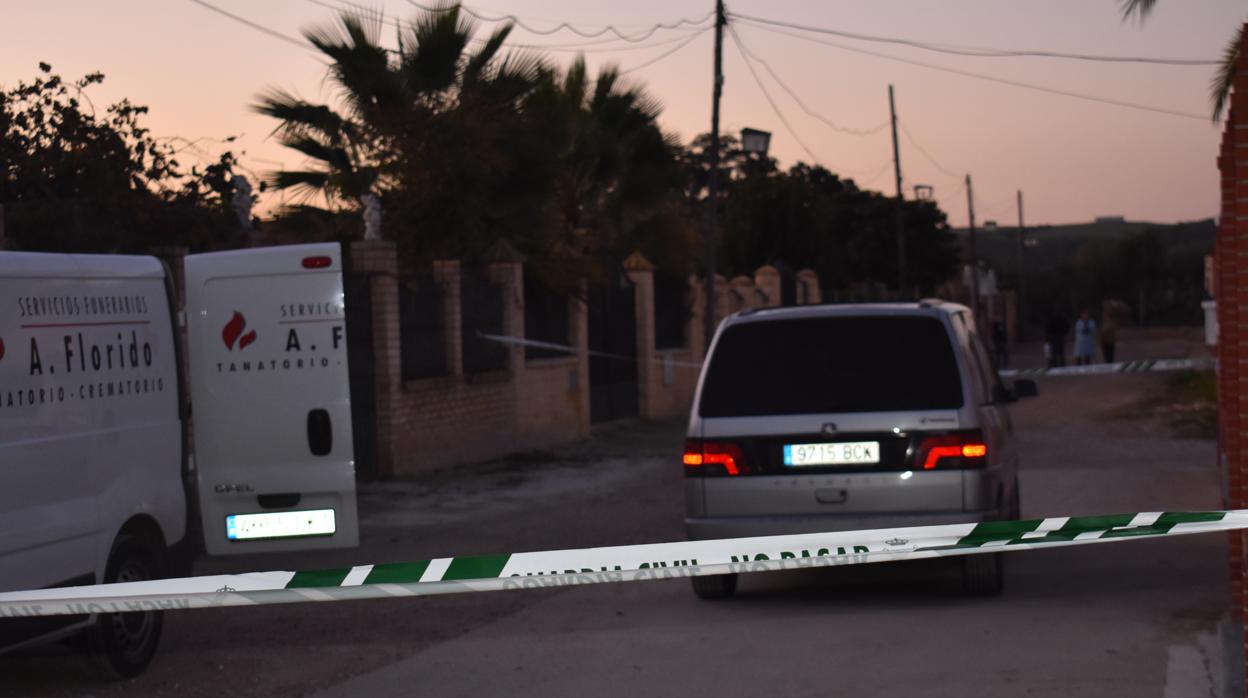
568	349
1139	366
1136	366
628	563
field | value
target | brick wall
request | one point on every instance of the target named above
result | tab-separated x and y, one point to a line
1231	291
458	418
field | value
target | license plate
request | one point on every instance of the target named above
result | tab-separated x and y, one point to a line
843	453
280	524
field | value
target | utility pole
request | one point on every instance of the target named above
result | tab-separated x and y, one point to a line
713	216
902	277
970	207
1022	283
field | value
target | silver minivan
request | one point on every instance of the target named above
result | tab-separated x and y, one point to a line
845	417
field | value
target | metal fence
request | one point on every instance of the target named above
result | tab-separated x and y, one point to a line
671	312
422	340
545	319
481	312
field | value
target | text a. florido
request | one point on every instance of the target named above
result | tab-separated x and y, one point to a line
310	334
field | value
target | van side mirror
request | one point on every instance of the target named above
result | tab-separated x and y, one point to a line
1024	387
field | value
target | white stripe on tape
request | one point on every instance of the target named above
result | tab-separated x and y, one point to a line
357	575
436	569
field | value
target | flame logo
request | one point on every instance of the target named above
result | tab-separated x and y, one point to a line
233	332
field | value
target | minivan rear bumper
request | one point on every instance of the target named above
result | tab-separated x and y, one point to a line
711	528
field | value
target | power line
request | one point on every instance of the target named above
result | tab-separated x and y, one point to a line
745	55
910	137
642	36
666	53
989	78
983	52
872	178
579	47
834	126
260	28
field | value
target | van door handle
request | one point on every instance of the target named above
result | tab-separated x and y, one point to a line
831	496
320	432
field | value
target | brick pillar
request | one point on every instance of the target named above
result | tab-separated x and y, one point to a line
649	373
767	281
511	276
809	292
578	336
446	276
695	327
379	259
1232	297
723	303
743	292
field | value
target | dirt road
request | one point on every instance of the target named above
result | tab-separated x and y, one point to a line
1131	619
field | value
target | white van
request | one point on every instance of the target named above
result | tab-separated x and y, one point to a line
94	461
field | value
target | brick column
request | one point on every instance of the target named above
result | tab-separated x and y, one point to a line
723	303
695	328
745	290
379	259
446	276
767	281
808	283
511	276
641	273
1232	295
578	336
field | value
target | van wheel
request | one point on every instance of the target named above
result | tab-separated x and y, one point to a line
122	644
716	586
983	574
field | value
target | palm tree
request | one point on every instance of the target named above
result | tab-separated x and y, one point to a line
1220	86
389	100
619	170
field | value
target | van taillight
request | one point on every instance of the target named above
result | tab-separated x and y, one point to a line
317	262
713	458
963	449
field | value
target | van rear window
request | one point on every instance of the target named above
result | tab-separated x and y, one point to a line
832	364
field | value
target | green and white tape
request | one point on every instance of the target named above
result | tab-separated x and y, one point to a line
1140	366
628	563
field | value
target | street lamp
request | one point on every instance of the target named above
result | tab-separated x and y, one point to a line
755	141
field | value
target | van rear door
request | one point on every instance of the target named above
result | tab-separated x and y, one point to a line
270	399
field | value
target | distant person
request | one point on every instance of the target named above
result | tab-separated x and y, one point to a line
1085	339
1000	346
1055	338
1109	337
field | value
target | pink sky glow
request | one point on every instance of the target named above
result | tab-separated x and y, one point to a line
1074	159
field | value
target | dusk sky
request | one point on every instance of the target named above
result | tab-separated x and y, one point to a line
1074	159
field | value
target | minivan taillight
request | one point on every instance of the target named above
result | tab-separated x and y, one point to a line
713	458
962	449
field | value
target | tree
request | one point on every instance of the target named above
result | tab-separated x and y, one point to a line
466	148
421	127
75	180
808	216
1223	80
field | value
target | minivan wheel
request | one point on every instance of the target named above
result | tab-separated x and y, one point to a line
122	644
716	586
983	574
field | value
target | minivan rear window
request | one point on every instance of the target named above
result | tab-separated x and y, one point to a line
832	364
